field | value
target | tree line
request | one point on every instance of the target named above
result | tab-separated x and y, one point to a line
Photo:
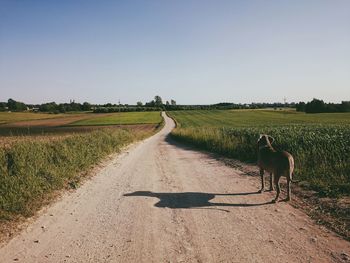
157	104
52	107
319	106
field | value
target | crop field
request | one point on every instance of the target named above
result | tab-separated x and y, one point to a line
62	124
121	119
9	117
319	142
254	118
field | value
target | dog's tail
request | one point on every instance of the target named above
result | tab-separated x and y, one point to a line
294	181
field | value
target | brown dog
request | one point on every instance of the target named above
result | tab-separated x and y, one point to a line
277	163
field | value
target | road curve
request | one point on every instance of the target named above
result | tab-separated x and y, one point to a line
160	201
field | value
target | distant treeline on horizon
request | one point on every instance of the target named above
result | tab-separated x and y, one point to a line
314	106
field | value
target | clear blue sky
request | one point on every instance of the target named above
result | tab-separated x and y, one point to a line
193	51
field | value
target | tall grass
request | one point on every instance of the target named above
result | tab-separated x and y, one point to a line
31	170
321	151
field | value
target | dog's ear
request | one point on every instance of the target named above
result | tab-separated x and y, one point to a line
271	139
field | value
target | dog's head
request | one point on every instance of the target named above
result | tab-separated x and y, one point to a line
265	140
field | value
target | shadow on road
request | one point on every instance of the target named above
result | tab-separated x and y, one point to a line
168	139
192	199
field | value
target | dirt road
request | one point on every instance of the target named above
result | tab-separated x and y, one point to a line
162	202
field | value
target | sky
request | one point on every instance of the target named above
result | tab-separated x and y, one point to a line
192	51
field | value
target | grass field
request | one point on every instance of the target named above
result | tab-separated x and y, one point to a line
121	119
319	142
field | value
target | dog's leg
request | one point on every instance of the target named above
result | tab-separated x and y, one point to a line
278	188
289	191
271	182
262	180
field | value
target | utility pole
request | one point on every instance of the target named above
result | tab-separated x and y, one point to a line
285	104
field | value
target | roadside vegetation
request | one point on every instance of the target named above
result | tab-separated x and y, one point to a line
33	168
30	170
319	142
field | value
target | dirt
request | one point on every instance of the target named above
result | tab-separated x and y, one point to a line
160	201
332	212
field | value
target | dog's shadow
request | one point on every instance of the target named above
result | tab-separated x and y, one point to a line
192	199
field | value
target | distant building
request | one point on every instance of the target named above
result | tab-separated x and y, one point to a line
34	109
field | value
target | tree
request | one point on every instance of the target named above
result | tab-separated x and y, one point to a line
167	103
315	106
73	106
158	101
16	105
49	107
173	102
150	104
3	106
139	103
300	106
11	104
345	106
86	106
61	108
319	106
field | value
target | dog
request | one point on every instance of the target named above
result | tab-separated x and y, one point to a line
277	163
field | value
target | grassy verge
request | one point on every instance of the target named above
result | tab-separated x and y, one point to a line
30	171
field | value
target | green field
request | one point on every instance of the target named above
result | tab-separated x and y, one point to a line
254	118
7	117
121	119
319	142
